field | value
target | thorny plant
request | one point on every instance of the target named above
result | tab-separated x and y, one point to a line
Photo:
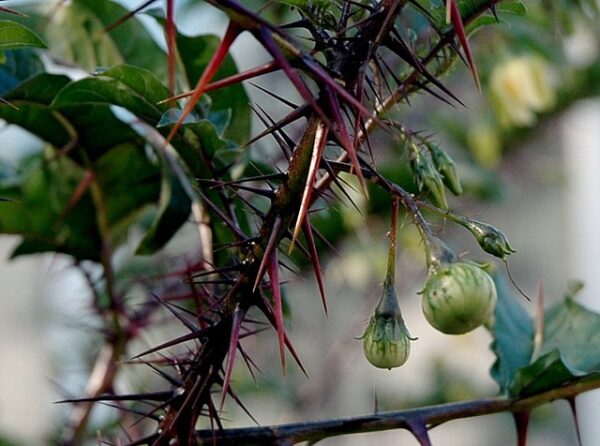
350	62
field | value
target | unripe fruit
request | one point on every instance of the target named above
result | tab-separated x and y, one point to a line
386	342
458	297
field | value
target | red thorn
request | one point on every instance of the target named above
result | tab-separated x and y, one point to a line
315	160
273	271
419	430
171	33
573	406
459	28
236	324
522	423
267	253
314	258
81	188
209	72
229	80
341	133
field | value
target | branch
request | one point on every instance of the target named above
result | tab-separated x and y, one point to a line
405	419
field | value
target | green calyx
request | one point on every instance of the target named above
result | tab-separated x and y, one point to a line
386	341
458	297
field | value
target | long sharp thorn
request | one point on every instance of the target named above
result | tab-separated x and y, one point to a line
459	28
171	33
293	116
267	253
229	80
82	187
188	337
236	324
314	259
273	272
127	16
521	423
267	40
341	132
573	406
211	69
315	161
419	429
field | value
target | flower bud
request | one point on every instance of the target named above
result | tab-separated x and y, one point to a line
492	240
429	178
458	297
446	167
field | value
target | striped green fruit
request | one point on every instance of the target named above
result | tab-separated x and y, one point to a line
458	298
386	342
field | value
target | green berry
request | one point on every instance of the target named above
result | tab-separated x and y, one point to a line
458	297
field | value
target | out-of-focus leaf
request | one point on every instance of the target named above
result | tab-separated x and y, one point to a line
14	35
570	349
32	98
41	216
17	66
129	183
98	129
173	212
76	34
132	88
513	333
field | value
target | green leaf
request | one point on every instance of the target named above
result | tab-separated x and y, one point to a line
41	213
195	53
14	35
173	212
87	44
17	66
132	88
32	98
129	183
570	349
513	334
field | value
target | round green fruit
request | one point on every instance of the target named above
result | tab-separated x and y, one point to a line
386	342
458	298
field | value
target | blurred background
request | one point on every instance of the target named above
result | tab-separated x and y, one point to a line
530	166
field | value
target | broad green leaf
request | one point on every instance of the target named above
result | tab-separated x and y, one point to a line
32	98
195	53
17	66
98	129
513	334
570	349
77	34
14	35
132	88
129	183
173	212
41	213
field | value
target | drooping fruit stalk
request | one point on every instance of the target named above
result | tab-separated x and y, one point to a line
386	341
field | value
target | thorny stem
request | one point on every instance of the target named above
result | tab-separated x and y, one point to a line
425	416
